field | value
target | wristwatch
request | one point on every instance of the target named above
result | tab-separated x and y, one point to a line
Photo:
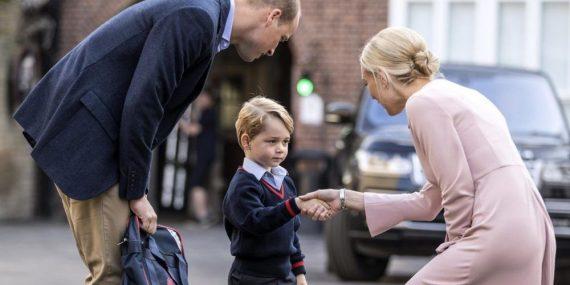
342	199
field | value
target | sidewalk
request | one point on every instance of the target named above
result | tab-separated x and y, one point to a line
45	253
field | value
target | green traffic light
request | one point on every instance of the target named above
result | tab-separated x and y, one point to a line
305	87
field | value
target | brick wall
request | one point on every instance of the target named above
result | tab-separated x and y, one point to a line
328	44
17	171
16	166
79	18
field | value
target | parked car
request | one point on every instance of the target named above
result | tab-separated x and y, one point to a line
375	153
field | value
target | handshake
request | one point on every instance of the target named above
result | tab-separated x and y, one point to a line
320	205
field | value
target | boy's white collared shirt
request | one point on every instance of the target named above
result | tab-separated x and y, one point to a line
277	173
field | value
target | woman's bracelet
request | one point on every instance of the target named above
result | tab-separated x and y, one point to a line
342	199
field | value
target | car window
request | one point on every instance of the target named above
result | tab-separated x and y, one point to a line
375	116
526	100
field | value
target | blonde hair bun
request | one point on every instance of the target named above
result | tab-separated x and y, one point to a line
425	63
401	53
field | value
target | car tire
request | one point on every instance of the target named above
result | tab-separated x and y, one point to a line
342	257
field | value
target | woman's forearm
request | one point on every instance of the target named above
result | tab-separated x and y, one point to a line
354	200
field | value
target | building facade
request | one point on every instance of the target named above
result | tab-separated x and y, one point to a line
326	47
529	34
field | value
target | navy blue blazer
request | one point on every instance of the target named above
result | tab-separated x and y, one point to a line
95	117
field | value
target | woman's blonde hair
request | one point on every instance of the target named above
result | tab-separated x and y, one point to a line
401	53
255	112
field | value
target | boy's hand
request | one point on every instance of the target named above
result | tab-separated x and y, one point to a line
301	279
321	210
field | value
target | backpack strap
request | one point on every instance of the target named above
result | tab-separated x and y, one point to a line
182	269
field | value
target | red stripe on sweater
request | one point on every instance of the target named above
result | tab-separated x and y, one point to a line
280	194
289	208
298	264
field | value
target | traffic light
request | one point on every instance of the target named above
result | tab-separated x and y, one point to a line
305	86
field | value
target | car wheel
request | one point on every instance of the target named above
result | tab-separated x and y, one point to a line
343	259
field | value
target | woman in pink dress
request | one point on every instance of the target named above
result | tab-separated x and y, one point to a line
498	230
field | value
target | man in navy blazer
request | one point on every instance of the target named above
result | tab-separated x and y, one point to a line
96	116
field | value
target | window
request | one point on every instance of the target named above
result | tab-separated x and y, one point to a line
512	35
555	45
461	32
420	19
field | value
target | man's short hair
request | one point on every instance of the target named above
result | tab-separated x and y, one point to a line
289	8
255	112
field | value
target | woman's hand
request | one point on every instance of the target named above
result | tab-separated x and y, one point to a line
353	200
329	196
319	210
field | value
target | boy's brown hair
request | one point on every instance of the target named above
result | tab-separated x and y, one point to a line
255	112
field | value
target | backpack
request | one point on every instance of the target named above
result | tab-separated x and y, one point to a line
156	259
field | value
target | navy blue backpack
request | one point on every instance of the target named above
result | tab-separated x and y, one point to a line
156	259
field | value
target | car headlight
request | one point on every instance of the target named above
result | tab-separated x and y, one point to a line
381	163
555	173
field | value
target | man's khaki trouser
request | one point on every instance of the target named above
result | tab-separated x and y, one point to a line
98	225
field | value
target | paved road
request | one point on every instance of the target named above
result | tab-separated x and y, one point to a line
44	253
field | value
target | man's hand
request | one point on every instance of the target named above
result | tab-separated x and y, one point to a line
319	210
144	211
301	279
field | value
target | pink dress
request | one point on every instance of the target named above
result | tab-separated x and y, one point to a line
498	230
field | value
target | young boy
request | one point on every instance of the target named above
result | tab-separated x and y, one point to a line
260	207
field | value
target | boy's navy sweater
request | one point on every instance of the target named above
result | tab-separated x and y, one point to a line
262	225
